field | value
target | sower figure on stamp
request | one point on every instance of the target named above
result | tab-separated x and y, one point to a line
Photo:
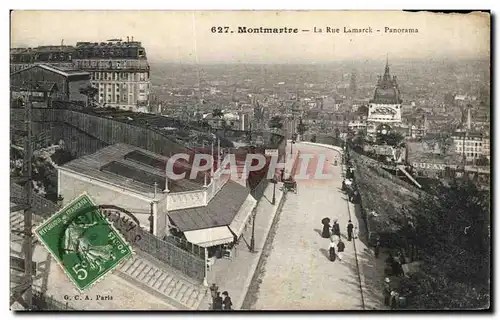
350	226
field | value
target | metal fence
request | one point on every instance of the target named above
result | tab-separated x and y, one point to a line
188	263
186	246
45	303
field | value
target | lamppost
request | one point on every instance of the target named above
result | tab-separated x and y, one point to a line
252	240
274	190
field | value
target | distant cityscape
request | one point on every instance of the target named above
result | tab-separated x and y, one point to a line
104	120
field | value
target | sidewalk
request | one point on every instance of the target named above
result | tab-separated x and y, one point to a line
236	273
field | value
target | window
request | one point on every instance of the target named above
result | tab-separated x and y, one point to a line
124	98
117	98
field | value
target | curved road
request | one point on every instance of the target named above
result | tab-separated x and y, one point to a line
297	273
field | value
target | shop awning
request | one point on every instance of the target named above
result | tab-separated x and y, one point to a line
210	237
238	224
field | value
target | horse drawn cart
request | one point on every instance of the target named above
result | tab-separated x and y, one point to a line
290	185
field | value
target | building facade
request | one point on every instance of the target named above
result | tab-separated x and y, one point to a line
470	145
68	82
118	69
385	107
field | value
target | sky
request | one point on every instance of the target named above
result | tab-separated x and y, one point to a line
186	36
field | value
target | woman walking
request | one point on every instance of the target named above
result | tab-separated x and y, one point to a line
332	251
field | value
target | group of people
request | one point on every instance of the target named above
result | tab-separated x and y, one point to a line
222	303
337	247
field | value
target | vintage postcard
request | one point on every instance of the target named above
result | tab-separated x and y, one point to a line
250	160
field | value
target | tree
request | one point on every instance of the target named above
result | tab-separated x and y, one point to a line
217	113
445	142
276	123
392	138
483	161
337	133
452	228
89	92
301	127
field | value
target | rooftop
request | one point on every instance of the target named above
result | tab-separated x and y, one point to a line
131	168
66	72
220	211
387	90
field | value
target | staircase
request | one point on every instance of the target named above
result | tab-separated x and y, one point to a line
163	282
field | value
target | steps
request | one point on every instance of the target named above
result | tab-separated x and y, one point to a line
162	282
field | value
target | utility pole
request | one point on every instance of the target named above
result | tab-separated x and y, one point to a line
23	292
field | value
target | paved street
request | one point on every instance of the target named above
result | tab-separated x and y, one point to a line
298	274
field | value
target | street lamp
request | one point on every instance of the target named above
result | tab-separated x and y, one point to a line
274	190
252	240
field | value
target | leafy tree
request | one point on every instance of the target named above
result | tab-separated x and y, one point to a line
276	123
90	93
301	127
452	233
483	161
217	113
392	138
445	142
337	133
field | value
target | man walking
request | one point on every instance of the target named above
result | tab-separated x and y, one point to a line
340	249
350	226
218	302
336	228
331	251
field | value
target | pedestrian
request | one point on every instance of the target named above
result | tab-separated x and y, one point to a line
340	249
331	251
218	302
356	232
350	226
227	303
394	300
377	248
336	228
326	231
354	197
387	291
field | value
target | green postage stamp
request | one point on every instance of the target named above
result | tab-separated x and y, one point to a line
84	243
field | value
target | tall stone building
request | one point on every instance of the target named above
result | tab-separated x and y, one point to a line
385	107
118	69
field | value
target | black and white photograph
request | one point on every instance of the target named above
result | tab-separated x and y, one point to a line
228	161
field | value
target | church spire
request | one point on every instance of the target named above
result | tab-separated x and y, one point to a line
386	79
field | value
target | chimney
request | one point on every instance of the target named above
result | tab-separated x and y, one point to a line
128	39
132	39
